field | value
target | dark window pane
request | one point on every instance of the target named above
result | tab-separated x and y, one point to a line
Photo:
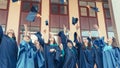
107	13
55	1
54	9
63	9
26	6
32	0
83	11
84	23
105	5
3	4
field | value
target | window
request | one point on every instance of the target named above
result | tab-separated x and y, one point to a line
26	6
88	18
58	15
3	4
108	22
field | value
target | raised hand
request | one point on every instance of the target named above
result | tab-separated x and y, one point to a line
61	46
52	50
38	15
96	26
77	26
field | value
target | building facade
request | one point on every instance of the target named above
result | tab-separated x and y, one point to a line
57	13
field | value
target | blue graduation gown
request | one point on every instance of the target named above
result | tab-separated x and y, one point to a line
86	56
8	52
52	58
70	59
39	60
110	55
26	55
98	44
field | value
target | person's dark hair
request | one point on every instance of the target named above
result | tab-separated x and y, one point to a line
114	42
89	45
53	42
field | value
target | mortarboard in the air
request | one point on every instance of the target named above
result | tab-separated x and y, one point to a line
46	23
14	0
74	20
32	14
95	9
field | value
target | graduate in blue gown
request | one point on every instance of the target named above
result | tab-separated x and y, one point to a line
8	49
110	51
70	58
86	52
30	52
52	53
26	54
40	55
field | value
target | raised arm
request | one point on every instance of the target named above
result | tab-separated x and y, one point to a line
100	40
77	38
63	37
26	32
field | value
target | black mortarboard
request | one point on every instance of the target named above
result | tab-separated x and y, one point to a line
32	14
46	23
74	20
34	8
95	9
14	0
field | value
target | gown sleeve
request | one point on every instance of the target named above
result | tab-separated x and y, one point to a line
63	39
1	33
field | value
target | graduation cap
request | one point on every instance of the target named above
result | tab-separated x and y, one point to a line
14	0
32	14
34	8
95	9
74	20
46	22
